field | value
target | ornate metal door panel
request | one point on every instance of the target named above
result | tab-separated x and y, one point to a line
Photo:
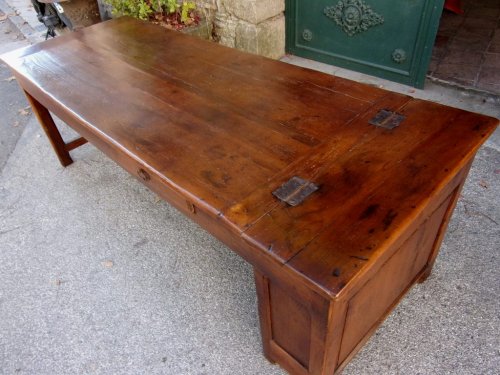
392	39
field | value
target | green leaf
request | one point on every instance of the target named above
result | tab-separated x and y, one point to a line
186	7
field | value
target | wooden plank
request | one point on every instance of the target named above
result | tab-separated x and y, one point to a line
338	142
168	138
75	143
350	177
125	34
215	131
231	137
382	216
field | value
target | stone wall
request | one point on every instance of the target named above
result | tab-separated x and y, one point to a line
256	26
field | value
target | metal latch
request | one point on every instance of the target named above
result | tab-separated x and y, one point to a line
295	191
387	119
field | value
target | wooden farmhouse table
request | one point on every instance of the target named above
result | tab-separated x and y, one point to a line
336	192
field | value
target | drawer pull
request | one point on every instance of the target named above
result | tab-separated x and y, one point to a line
143	174
191	207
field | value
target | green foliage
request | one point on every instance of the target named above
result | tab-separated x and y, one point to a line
187	6
171	5
134	8
144	9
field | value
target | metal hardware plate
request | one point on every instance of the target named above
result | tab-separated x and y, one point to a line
295	191
387	119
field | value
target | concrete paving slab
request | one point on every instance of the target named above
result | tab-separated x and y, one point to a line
13	104
25	10
22	16
98	276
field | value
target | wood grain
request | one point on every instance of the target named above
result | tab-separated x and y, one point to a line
215	131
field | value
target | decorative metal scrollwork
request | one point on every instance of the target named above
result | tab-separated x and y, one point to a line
354	16
399	55
307	35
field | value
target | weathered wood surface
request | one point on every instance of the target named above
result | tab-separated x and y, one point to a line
215	131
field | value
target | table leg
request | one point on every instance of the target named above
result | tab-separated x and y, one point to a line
51	130
301	331
444	226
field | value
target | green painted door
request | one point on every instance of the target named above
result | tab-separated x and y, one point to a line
392	39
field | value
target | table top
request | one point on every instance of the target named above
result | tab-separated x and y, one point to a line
229	128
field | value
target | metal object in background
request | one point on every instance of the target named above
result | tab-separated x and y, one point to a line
59	16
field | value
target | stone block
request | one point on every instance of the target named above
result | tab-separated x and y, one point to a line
203	30
225	29
254	11
266	38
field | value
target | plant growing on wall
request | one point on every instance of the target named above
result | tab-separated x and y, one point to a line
173	14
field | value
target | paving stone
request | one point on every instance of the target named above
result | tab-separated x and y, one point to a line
470	42
14	114
492	60
490	87
484	13
467	41
489	75
460	73
480	22
458	56
484	32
